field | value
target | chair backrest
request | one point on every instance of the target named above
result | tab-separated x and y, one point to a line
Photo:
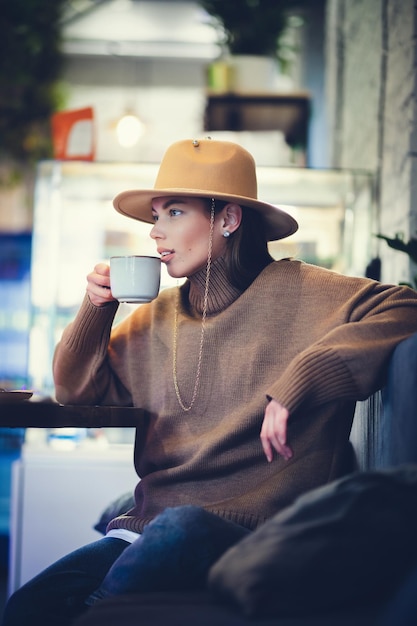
384	430
366	432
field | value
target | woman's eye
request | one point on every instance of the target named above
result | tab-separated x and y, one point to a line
175	212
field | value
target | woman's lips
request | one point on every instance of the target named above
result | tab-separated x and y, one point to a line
166	255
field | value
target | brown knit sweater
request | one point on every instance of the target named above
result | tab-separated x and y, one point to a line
311	338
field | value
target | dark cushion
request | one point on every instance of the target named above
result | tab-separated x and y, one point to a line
121	505
346	545
192	609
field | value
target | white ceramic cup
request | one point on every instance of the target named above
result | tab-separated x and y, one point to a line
135	278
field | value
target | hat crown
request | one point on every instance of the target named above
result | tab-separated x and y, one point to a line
208	166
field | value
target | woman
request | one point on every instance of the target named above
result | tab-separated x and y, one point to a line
248	374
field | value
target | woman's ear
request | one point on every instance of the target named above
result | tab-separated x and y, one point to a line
232	217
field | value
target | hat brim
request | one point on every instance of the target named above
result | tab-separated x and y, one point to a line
137	204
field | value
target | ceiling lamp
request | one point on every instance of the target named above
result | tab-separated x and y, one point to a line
129	130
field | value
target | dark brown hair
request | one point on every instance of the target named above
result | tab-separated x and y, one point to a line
247	248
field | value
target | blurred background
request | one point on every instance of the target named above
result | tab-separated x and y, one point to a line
92	92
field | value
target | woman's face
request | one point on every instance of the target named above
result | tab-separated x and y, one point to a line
182	232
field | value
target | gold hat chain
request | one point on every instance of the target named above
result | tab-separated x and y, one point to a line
203	324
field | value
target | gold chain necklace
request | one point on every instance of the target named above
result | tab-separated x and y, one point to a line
203	326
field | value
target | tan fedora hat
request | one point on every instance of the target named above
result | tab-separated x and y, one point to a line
206	168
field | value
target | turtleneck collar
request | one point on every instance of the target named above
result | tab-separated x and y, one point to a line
221	292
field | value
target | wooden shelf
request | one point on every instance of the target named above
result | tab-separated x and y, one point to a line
288	113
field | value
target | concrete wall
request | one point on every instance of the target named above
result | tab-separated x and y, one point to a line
371	102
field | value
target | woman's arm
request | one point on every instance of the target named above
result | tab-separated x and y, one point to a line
348	362
81	370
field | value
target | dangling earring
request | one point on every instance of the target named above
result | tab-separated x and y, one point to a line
226	234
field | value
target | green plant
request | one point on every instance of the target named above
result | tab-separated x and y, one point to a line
30	67
251	26
409	248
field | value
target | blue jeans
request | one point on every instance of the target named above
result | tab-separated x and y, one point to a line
175	552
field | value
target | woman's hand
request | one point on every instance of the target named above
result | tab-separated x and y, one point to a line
274	431
98	285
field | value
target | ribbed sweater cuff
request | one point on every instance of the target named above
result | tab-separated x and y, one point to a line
129	522
317	377
91	327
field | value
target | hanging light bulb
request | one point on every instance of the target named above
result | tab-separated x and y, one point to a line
129	130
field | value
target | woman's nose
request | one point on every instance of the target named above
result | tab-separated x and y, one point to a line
155	232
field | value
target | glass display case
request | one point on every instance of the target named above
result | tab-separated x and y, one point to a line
76	226
15	259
